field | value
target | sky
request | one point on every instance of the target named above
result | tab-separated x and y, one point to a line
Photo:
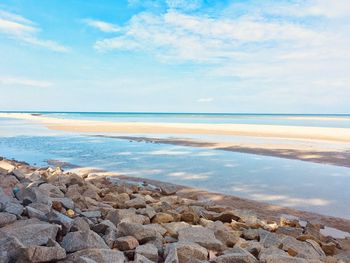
244	56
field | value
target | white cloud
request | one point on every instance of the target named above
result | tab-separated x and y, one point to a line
102	26
15	81
186	5
206	100
24	30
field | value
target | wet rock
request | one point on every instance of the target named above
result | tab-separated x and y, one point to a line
126	243
6	218
138	231
96	255
52	252
148	251
79	240
202	236
160	218
31	231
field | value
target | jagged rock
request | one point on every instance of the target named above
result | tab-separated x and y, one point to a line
149	251
184	251
226	217
103	226
80	224
96	255
289	220
174	227
10	204
160	218
52	252
35	213
91	214
168	189
313	230
236	254
126	215
308	250
51	190
148	211
141	259
228	238
79	240
200	235
65	201
285	259
6	167
6	218
251	234
137	202
290	231
60	219
31	231
138	231
158	228
126	243
189	217
10	248
329	248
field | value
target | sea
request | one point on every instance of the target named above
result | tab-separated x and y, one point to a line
313	187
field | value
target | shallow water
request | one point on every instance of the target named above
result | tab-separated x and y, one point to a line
308	186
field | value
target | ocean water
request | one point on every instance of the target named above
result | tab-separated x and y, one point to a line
330	120
303	185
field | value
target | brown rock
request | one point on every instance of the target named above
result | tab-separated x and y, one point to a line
329	248
160	218
126	243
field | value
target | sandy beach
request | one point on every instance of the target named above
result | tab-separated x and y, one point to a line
314	144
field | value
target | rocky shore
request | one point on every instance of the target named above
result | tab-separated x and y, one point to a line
47	215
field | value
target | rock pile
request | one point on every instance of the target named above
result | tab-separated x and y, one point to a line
47	215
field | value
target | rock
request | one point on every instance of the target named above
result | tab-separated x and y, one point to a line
289	220
10	248
126	243
149	251
10	204
343	257
284	259
31	231
228	238
148	211
313	230
91	214
102	227
173	227
65	202
202	236
226	217
138	231
52	252
270	251
158	228
329	248
171	254
160	218
96	255
61	219
136	203
80	224
141	259
251	234
6	167
79	240
35	213
308	250
51	190
126	215
168	189
184	251
290	231
190	217
6	218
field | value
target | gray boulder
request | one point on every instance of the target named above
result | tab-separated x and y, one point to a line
6	218
96	255
79	240
202	236
138	231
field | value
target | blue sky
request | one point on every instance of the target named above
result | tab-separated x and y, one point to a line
175	55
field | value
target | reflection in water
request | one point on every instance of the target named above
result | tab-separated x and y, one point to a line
303	185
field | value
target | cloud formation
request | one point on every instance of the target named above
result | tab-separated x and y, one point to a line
102	26
26	31
16	81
